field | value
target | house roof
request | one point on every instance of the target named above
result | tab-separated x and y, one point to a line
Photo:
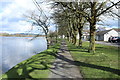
103	32
118	30
86	32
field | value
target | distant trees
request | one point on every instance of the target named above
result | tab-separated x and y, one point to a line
72	17
5	34
52	37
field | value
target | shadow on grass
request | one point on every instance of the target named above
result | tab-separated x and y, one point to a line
100	48
78	63
77	48
33	68
42	61
39	62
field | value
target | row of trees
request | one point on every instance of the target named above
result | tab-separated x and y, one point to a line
72	17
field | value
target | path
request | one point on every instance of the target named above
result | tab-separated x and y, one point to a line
108	43
62	68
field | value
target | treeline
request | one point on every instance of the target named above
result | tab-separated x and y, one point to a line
72	17
19	35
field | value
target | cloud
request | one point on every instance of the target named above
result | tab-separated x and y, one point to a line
12	12
13	21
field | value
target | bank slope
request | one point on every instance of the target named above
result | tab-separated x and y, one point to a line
35	67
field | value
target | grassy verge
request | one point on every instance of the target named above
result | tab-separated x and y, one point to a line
103	64
35	67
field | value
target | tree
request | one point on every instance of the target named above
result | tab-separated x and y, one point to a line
97	9
91	11
41	20
71	19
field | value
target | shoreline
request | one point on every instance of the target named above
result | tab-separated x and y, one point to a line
21	36
34	64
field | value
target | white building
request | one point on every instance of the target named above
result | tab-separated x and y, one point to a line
100	35
104	35
85	35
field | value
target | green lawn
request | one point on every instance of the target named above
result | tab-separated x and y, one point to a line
35	67
102	64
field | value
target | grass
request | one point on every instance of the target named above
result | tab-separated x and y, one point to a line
35	67
102	64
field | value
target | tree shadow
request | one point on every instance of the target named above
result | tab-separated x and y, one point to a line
39	62
58	74
100	47
34	62
78	63
78	50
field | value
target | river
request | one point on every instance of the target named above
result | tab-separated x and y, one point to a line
14	50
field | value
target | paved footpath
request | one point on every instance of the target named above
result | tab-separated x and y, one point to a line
62	67
108	43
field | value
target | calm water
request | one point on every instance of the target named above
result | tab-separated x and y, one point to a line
16	49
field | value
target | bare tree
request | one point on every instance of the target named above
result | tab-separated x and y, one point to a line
41	20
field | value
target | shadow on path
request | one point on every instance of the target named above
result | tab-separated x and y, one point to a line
78	63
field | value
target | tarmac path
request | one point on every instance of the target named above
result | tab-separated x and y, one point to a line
62	67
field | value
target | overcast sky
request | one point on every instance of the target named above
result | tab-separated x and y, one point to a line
13	21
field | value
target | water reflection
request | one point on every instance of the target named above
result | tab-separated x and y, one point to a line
17	49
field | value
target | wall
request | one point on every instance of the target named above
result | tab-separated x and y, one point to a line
84	36
110	33
100	37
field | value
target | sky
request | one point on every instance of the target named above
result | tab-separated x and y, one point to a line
12	19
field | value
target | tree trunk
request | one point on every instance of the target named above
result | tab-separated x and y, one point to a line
68	36
74	37
80	36
56	34
56	38
92	38
74	41
92	28
47	41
